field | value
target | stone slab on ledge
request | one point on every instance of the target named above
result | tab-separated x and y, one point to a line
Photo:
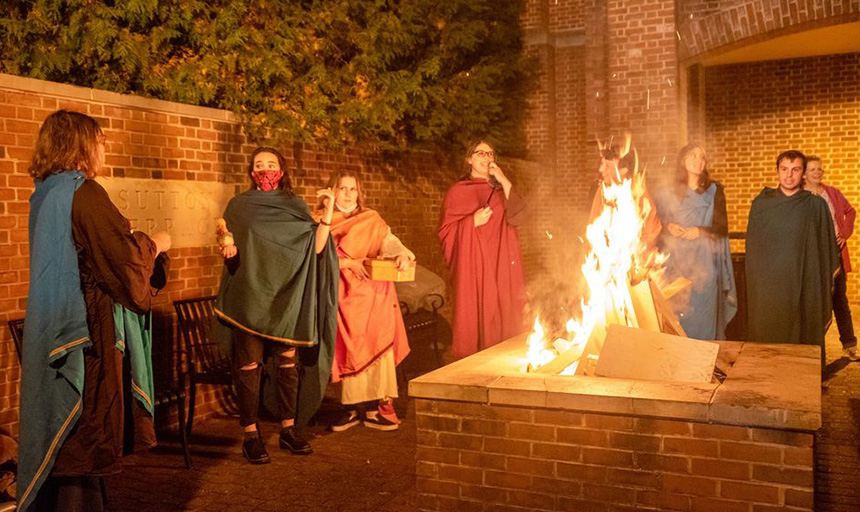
767	386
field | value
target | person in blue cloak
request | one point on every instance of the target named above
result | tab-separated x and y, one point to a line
693	211
88	270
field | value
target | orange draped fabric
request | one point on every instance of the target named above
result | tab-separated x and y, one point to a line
369	320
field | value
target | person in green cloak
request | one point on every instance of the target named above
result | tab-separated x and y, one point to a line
279	294
791	260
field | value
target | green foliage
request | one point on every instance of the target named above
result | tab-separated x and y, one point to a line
385	74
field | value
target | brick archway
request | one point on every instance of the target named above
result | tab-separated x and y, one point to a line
707	27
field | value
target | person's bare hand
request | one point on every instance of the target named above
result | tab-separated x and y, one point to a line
356	267
482	216
229	251
328	195
496	172
162	241
675	229
691	234
402	262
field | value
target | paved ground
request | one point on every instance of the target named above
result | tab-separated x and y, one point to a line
837	444
357	470
366	470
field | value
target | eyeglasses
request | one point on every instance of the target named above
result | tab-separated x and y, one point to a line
484	154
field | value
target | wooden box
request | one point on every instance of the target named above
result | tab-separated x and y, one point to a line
386	270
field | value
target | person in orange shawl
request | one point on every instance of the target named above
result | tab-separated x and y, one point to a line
371	337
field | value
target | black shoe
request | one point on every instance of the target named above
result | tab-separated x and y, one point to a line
254	450
380	422
290	440
347	420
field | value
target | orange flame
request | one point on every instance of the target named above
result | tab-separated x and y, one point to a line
617	257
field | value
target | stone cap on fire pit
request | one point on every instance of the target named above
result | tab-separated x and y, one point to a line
767	386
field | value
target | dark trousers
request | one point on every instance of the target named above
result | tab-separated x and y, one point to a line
248	349
842	311
70	494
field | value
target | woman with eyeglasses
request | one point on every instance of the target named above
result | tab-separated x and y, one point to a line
480	242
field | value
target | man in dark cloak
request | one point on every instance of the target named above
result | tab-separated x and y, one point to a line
791	260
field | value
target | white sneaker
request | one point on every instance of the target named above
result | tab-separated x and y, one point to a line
852	353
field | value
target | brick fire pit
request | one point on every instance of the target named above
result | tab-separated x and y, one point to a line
491	437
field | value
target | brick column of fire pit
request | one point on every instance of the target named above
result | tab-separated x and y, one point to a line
491	437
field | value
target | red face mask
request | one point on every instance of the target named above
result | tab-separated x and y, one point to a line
267	180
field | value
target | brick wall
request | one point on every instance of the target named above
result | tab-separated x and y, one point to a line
718	24
642	77
158	140
484	457
810	104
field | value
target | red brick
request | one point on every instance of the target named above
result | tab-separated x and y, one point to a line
728	432
530	466
662	427
669	463
555	486
560	452
429	486
749	492
715	505
615	458
431	454
797	456
799	439
605	422
531	500
560	418
460	441
798	498
750	452
506	446
634	442
460	474
693	485
574	505
687	446
582	436
432	422
625	477
481	460
483	493
484	427
663	501
780	475
734	470
582	472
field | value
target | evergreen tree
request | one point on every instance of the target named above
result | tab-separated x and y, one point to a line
377	73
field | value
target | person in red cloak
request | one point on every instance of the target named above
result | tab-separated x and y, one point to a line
479	239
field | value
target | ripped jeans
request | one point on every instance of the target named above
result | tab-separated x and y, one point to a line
248	357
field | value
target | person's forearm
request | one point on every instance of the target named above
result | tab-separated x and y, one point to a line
323	230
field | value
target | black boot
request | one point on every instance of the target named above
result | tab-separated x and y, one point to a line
253	448
292	441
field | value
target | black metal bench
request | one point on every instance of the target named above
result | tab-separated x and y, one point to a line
164	394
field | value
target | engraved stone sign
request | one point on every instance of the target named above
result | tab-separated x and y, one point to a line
185	209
